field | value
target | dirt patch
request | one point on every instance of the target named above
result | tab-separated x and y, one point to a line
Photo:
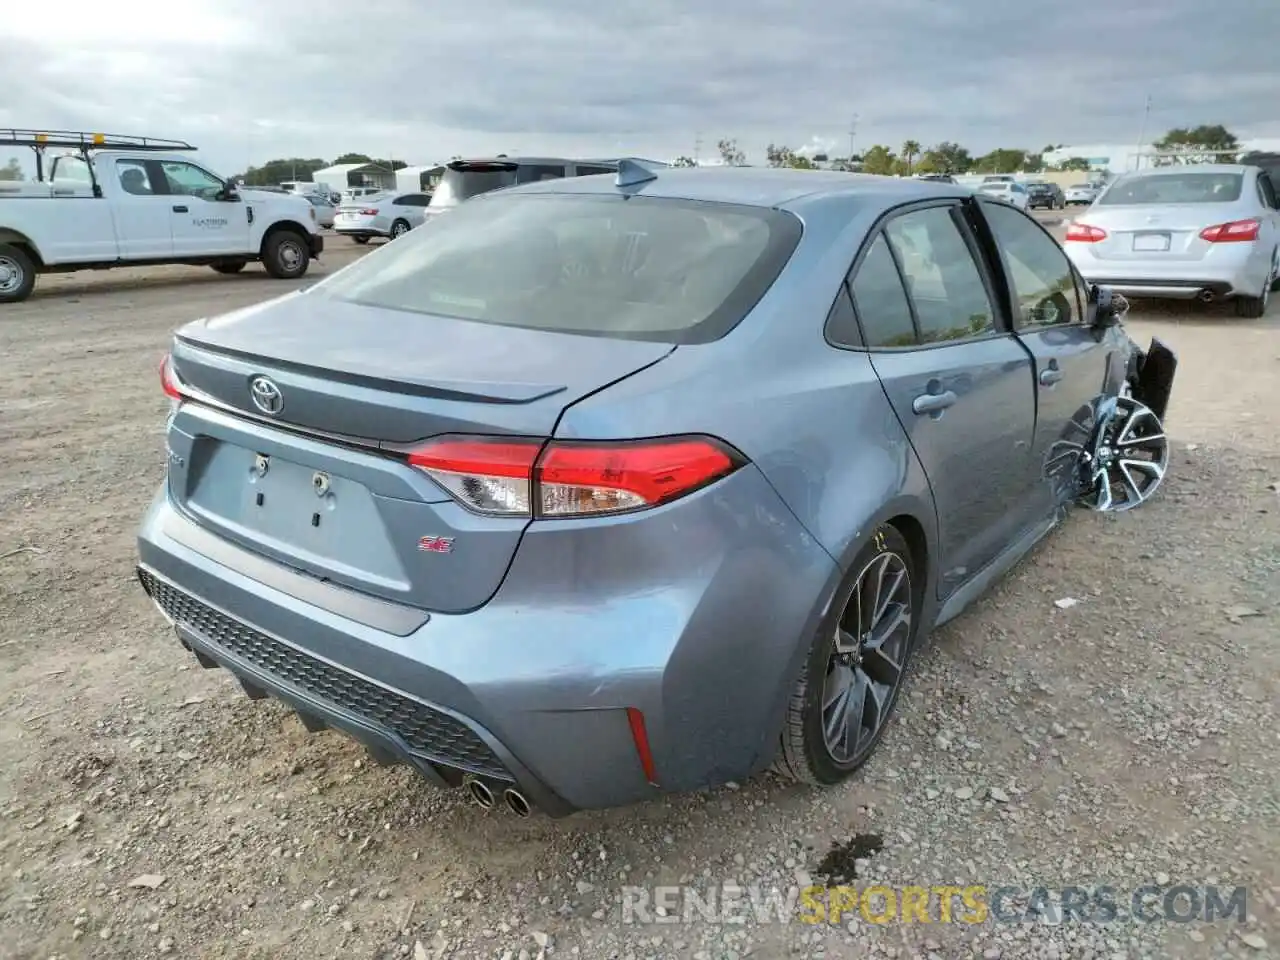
148	808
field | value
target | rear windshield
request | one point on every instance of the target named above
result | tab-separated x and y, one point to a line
458	185
643	268
1175	188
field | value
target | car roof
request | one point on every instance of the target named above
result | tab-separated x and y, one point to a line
594	163
755	186
1191	168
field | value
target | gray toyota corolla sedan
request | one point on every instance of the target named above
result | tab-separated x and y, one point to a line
604	487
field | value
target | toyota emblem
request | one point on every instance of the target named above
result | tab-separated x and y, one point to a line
266	395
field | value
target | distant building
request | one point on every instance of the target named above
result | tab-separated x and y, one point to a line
1122	157
343	176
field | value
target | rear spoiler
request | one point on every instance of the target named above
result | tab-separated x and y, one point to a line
481	166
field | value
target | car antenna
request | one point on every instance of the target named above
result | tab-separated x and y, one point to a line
631	173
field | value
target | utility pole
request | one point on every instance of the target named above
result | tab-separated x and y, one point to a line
697	148
1142	131
853	132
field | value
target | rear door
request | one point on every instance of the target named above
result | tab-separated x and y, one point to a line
415	206
959	381
144	211
1050	316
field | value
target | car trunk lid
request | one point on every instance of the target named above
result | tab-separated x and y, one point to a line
321	484
1169	232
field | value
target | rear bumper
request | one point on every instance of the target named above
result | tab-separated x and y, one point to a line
702	636
1221	274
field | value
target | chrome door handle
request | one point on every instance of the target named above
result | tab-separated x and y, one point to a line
933	402
1049	376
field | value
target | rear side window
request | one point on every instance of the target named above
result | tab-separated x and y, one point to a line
646	268
881	300
588	170
1174	188
413	200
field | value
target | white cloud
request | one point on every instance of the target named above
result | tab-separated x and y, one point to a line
251	81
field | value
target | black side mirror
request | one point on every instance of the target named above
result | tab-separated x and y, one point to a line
230	191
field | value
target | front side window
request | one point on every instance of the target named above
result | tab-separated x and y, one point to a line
641	269
1043	283
186	179
942	277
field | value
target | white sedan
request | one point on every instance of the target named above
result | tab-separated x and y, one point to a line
388	215
1009	191
1206	232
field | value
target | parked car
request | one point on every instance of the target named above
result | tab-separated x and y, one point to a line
1007	191
936	177
389	215
1046	195
325	209
124	201
1081	194
463	179
604	487
1208	232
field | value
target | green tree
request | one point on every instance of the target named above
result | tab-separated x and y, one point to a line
11	170
910	150
730	154
945	157
277	171
879	160
684	162
1074	164
1000	160
1203	144
779	156
1034	163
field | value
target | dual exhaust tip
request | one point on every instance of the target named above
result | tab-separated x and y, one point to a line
484	797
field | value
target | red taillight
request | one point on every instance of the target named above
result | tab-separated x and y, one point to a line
1237	231
369	212
169	382
640	736
571	479
1085	233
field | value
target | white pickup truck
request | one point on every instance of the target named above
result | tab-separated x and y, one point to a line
131	201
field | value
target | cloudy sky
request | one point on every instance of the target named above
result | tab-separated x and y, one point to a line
247	81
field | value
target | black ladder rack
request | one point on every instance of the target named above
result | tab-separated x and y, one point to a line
82	141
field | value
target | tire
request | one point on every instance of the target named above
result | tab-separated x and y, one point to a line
360	240
17	274
399	229
805	753
230	266
286	254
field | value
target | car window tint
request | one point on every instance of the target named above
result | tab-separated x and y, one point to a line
1041	276
532	172
842	323
586	170
943	281
880	299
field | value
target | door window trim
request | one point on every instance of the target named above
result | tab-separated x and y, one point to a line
1000	309
982	227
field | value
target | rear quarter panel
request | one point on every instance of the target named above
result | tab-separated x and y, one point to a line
813	418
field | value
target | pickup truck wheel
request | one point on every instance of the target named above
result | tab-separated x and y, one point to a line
285	255
17	274
230	266
360	239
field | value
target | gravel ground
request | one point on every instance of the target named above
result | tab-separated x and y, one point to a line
147	808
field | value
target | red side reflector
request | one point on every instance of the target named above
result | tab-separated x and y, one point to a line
1085	233
1237	231
641	737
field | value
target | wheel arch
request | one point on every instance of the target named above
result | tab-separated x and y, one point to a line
280	226
17	238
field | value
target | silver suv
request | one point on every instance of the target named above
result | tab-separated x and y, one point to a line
464	179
